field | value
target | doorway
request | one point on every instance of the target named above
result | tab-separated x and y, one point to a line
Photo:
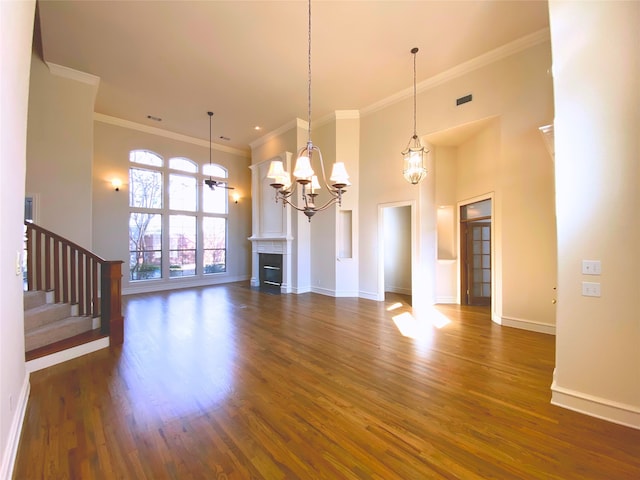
396	251
475	253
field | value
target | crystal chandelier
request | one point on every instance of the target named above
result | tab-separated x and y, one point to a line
413	166
303	172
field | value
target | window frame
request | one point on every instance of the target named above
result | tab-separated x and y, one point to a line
167	168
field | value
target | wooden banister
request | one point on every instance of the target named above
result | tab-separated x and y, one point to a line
76	275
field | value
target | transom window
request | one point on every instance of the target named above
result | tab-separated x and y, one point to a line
177	224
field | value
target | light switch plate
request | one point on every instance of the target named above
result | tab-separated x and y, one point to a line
591	267
590	289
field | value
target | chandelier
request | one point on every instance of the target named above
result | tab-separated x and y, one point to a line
303	171
413	166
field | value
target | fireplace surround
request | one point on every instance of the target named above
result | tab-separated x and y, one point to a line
271	229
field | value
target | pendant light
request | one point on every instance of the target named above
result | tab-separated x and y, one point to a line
303	172
413	166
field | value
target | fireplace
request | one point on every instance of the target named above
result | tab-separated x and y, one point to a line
270	271
271	237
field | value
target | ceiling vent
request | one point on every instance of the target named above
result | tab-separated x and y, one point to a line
465	99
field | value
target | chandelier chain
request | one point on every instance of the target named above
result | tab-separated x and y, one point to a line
309	77
415	129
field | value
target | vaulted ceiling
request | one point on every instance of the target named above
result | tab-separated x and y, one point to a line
247	60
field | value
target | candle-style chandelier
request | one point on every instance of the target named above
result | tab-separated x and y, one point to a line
303	171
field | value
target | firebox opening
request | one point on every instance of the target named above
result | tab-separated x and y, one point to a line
270	272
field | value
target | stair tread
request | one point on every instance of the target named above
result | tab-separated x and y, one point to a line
46	306
45	314
59	323
56	331
34	298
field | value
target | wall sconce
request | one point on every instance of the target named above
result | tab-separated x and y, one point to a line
235	197
116	183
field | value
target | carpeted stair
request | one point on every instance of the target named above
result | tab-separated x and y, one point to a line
46	322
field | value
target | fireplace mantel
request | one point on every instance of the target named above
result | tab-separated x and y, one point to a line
271	225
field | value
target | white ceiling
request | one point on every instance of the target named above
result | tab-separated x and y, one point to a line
247	60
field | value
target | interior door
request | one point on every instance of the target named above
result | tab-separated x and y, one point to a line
478	262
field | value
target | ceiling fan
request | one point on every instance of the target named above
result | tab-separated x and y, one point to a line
210	182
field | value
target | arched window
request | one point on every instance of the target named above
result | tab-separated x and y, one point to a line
177	223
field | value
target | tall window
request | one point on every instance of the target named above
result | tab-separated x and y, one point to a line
177	225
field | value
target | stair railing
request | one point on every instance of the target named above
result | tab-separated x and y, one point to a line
76	276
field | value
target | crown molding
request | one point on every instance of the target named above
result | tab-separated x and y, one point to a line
295	123
488	58
100	117
70	73
495	55
346	114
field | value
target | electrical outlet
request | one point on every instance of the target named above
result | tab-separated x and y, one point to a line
591	267
590	289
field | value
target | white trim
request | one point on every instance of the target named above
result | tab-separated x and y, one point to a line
160	285
530	325
119	122
615	412
330	292
70	73
299	290
65	355
13	439
346	114
338	115
368	296
400	290
488	58
446	300
295	123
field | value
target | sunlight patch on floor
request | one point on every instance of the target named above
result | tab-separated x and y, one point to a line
422	328
393	307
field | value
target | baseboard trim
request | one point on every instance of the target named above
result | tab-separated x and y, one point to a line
615	412
446	300
324	291
300	290
528	325
400	290
13	441
68	354
369	296
329	292
160	285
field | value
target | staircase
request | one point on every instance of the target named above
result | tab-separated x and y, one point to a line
73	300
46	323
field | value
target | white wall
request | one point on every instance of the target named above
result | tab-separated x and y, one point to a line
60	149
16	28
323	224
513	163
114	140
596	52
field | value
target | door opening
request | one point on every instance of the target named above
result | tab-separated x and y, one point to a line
475	253
396	252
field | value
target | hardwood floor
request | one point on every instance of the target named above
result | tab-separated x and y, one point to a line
226	382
